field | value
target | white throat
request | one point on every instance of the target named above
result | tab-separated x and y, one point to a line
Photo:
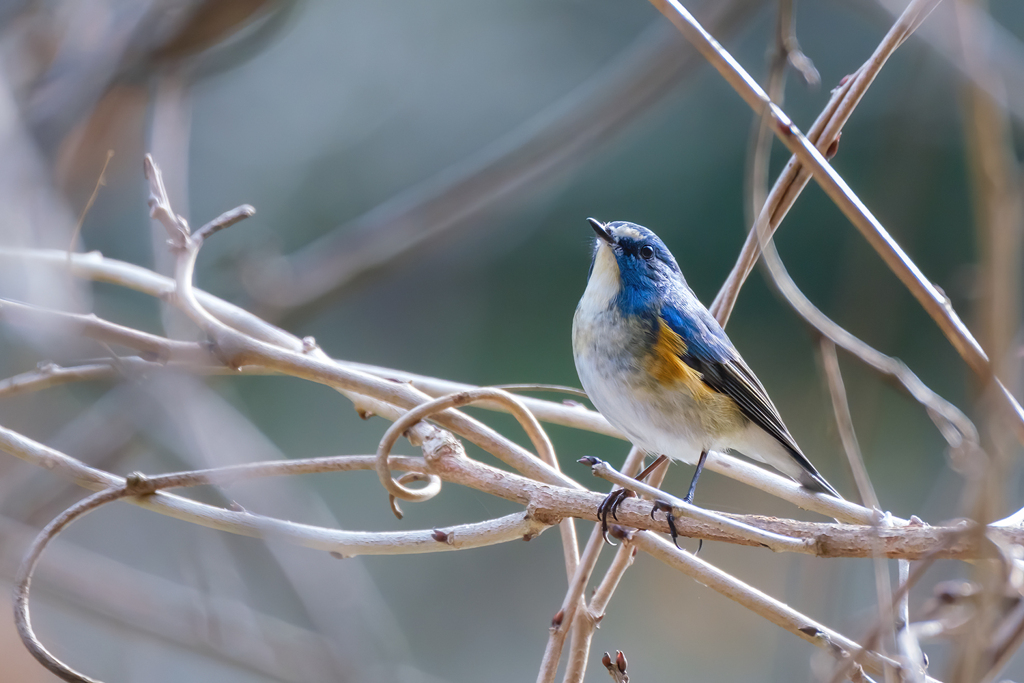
603	285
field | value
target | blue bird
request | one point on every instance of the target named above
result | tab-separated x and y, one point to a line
661	369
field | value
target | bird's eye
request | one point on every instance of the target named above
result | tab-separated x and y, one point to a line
647	252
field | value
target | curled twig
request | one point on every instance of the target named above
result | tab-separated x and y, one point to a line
424	410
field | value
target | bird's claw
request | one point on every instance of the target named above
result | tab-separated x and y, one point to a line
610	505
660	505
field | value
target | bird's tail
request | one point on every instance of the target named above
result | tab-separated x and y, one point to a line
810	479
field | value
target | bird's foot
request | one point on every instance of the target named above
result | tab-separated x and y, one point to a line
613	500
662	506
610	505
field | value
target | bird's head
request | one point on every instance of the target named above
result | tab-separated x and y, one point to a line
633	262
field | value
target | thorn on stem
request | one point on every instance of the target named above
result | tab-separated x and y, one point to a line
557	620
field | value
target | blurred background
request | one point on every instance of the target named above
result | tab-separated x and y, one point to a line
421	174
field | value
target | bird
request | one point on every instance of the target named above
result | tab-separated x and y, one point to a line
660	368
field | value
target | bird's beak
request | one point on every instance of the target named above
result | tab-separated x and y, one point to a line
601	231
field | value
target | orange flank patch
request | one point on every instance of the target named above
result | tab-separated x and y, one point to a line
717	412
666	363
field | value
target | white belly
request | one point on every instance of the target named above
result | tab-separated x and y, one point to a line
659	422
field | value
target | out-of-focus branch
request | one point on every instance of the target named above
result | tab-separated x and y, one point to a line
554	141
152	346
179	614
844	422
824	132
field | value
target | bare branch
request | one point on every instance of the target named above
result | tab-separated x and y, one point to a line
774	542
173	612
153	347
225	220
844	422
391	391
771	609
160	207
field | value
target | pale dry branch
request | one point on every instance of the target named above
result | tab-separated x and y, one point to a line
387	388
774	542
764	605
824	132
589	618
160	209
955	427
545	503
576	619
225	220
139	486
346	543
237	349
151	346
23	583
539	438
49	374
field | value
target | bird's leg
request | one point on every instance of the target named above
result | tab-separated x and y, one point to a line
667	508
614	499
696	476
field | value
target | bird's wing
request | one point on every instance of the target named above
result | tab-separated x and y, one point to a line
708	350
734	379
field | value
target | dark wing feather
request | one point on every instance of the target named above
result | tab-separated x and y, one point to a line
734	379
709	352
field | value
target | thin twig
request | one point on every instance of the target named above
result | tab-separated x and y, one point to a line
588	619
225	220
844	422
177	614
153	347
100	182
569	615
824	132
